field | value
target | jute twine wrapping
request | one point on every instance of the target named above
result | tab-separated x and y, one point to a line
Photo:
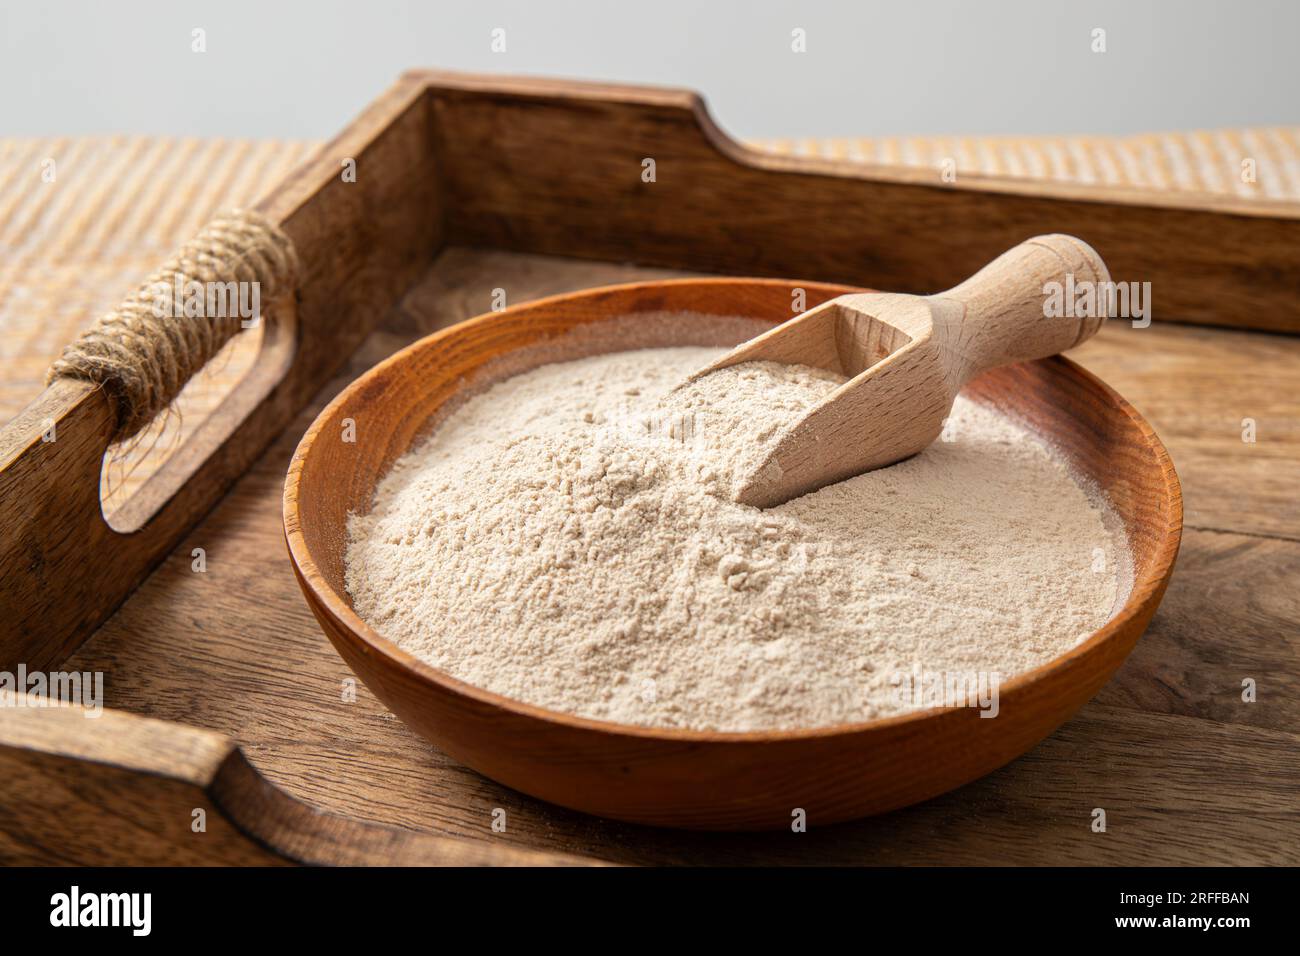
143	352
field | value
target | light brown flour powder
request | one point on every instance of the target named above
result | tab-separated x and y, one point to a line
568	539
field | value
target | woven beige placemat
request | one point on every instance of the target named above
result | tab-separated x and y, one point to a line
1261	163
84	220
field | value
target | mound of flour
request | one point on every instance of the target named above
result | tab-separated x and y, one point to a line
568	538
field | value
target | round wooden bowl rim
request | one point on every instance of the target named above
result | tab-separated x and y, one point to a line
1144	589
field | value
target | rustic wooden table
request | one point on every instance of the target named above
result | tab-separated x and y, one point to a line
1187	771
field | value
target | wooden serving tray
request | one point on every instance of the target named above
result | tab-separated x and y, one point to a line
227	698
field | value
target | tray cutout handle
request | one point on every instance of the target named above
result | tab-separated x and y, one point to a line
233	276
65	564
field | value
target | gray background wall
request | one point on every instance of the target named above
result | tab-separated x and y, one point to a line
301	70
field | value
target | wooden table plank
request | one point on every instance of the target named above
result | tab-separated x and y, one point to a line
1232	613
1186	771
1196	386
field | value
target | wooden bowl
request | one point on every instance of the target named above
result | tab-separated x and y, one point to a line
687	778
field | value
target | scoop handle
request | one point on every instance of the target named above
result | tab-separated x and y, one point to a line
1023	305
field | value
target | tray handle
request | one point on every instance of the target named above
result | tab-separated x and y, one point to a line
132	790
64	564
143	352
360	246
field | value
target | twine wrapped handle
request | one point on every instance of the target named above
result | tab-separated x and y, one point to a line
143	352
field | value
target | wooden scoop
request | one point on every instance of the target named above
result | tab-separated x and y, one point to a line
908	356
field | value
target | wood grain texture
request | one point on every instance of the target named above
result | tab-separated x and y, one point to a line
1199	388
119	789
1188	773
552	166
